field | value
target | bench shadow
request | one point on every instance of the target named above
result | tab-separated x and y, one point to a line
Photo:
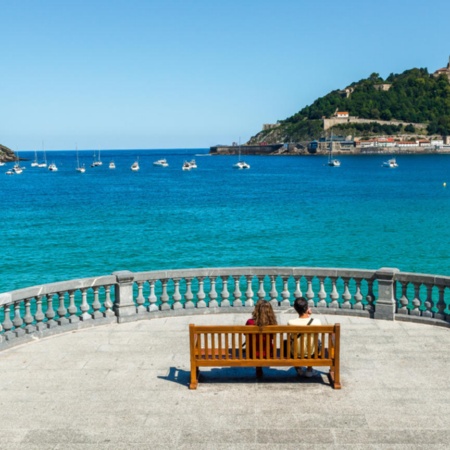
245	375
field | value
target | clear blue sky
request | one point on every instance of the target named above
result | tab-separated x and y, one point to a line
114	74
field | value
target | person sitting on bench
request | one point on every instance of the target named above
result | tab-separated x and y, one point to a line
304	318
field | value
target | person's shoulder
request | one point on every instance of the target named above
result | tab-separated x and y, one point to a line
316	322
294	322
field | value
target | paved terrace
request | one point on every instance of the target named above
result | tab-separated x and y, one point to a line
122	386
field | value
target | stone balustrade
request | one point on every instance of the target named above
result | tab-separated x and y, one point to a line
387	293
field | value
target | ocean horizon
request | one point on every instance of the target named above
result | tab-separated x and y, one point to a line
284	211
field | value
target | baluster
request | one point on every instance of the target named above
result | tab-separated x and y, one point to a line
285	294
152	300
28	318
50	314
62	310
428	312
322	295
358	296
140	300
370	296
72	309
7	324
334	295
108	303
176	294
403	302
84	306
18	321
440	314
416	300
96	305
298	289
213	294
346	296
261	292
225	294
201	293
164	297
273	291
189	296
249	291
237	291
310	293
39	316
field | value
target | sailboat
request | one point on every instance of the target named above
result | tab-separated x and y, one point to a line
241	164
97	162
35	162
332	162
135	166
79	168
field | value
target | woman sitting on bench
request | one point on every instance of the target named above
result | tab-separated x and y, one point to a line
262	315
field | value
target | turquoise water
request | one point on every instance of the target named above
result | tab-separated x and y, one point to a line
287	211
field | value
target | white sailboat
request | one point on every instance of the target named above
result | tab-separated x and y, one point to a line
35	163
79	168
97	162
43	163
241	164
332	162
135	166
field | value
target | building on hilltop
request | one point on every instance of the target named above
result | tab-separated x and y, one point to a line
444	71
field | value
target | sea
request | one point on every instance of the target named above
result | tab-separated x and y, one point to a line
283	211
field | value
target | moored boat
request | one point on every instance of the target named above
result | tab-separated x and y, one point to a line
161	163
135	166
391	163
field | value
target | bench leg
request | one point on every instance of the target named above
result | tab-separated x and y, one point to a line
194	378
335	378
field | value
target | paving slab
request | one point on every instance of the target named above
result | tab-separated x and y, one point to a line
125	386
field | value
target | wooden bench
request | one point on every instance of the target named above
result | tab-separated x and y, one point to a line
271	346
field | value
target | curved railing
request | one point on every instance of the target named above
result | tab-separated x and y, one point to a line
386	293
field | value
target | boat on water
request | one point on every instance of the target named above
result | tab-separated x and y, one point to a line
187	165
135	166
391	163
2	163
79	168
97	162
332	162
52	167
17	169
161	163
35	163
241	164
112	165
193	164
9	172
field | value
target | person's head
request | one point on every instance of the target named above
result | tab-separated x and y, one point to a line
263	314
301	306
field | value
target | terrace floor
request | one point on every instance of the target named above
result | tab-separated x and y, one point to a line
126	387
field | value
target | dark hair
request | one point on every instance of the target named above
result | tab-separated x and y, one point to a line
301	305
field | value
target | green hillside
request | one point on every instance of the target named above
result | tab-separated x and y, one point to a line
414	96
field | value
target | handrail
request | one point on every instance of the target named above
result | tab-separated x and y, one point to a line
385	293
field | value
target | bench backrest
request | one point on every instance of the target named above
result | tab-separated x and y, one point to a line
276	342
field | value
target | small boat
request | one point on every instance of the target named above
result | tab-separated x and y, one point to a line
35	162
161	163
97	162
241	165
193	164
2	163
9	172
43	163
17	169
187	165
135	166
391	163
52	167
112	165
332	162
79	168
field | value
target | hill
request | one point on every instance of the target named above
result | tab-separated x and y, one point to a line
392	106
6	154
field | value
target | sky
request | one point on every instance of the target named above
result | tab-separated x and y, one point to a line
162	74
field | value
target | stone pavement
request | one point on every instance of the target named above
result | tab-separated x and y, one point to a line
125	387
